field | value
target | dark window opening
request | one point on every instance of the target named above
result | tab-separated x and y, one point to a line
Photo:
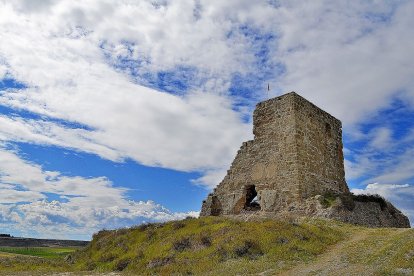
252	202
328	130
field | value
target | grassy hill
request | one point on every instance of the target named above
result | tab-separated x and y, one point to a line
218	246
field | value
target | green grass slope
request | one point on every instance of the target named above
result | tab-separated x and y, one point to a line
214	246
384	251
16	264
14	260
219	246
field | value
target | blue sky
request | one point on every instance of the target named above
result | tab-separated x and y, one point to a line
115	113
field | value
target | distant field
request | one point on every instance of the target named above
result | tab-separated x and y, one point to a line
44	252
4	254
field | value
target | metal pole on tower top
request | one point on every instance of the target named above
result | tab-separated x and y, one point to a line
268	90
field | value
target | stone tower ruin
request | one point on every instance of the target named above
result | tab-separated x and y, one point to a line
294	161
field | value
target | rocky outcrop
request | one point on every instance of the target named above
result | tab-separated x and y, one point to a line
373	211
296	155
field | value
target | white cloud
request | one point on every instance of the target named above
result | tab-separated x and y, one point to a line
48	133
3	71
85	204
382	138
210	178
85	62
69	78
399	168
361	167
382	158
350	58
14	196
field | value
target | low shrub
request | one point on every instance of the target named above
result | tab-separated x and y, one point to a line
327	200
178	225
182	244
90	265
122	264
205	241
249	249
222	253
149	225
371	198
151	233
301	237
107	257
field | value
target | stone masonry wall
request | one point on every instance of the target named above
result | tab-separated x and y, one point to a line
319	147
296	156
276	160
268	162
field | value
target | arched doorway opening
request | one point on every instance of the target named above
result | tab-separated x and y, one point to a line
252	202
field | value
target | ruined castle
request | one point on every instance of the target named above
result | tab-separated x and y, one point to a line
295	166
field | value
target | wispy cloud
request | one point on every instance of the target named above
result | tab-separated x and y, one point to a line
127	120
81	205
87	63
380	149
172	84
349	58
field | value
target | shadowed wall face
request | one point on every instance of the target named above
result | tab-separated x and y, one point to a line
318	137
